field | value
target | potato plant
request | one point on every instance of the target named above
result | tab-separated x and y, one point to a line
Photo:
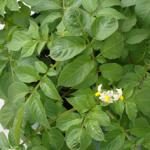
74	74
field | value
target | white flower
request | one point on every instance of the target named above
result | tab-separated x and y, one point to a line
109	96
2	26
106	96
99	88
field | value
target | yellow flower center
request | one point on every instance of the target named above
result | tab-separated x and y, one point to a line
97	94
107	99
121	98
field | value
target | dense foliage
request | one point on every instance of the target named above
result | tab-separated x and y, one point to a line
51	63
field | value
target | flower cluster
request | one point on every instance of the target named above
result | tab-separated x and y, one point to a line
109	96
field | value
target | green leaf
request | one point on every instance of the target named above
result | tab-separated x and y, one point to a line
142	100
67	120
27	74
142	10
82	103
13	5
93	128
97	114
109	3
17	90
113	46
3	140
112	71
89	5
64	48
53	139
33	30
114	141
19	39
103	27
118	107
110	12
38	148
128	23
17	125
49	89
40	67
29	48
128	3
36	108
137	36
141	127
77	139
50	18
80	68
131	110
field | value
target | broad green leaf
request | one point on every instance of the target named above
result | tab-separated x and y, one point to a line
137	35
46	5
49	89
128	3
94	130
17	90
80	68
89	5
64	48
39	5
53	109
142	10
38	148
3	140
118	107
8	112
40	67
33	30
112	71
113	47
27	74
114	141
36	108
131	110
29	48
110	12
19	39
67	120
97	114
103	27
109	3
17	125
50	18
78	139
142	100
53	139
12	5
141	127
128	23
82	103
